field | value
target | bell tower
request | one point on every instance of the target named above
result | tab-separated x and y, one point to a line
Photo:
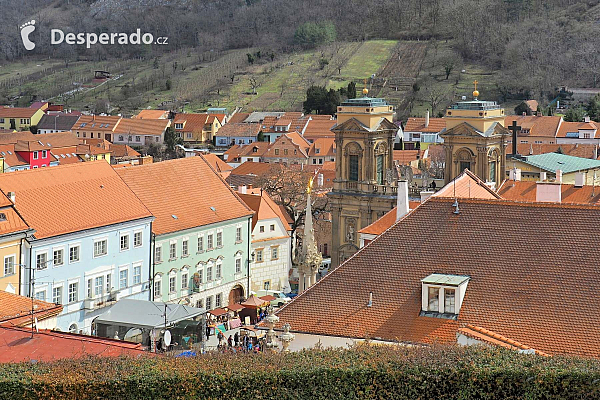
365	184
476	139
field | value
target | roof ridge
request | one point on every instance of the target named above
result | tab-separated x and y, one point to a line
518	203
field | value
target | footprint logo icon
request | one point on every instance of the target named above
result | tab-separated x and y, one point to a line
26	30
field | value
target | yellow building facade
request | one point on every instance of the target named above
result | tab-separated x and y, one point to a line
13	232
476	139
19	119
365	185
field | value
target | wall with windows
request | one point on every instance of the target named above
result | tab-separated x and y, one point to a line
10	256
201	262
272	259
87	271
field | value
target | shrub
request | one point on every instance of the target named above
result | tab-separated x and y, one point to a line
364	372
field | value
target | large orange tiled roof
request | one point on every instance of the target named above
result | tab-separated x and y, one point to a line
414	124
405	157
142	127
520	287
525	191
11	158
186	188
240	129
16	112
216	163
319	128
65	155
15	310
152	114
326	147
545	126
191	122
238	117
254	168
104	123
56	200
382	224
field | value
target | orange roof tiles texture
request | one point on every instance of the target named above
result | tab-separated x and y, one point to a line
526	191
15	310
467	186
541	126
414	124
142	127
573	127
542	299
16	112
55	200
179	188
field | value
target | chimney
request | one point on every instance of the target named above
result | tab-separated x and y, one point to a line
548	192
559	176
11	196
425	194
579	179
524	113
402	202
427	119
543	176
320	180
515	174
243	189
586	119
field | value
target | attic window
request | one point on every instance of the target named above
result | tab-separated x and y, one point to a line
442	295
2	217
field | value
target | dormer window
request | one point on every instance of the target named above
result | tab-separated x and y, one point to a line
178	126
442	295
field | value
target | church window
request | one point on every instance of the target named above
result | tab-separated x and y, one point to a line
465	165
380	169
493	171
353	170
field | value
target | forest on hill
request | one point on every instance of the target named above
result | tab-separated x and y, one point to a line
537	44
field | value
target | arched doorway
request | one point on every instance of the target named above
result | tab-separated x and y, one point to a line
236	294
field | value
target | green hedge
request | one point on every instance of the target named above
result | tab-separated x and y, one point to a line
365	372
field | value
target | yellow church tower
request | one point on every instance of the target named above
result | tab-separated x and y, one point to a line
475	138
365	184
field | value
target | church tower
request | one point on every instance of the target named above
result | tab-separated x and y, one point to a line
475	138
365	184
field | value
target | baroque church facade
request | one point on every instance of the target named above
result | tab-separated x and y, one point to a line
365	186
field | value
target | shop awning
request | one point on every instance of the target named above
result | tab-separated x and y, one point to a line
218	311
235	307
254	302
268	298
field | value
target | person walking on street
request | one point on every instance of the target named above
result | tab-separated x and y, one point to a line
236	339
230	341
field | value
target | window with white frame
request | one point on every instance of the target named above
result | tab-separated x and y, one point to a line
137	239
272	227
57	295
73	253
209	303
172	284
98	285
137	274
58	257
274	252
209	272
433	299
100	248
259	255
219	239
9	265
184	280
199	303
184	248
238	265
90	292
218	298
158	253
41	260
35	155
122	278
218	270
200	243
172	251
124	242
157	283
40	295
209	242
261	229
200	273
449	300
238	234
73	292
442	294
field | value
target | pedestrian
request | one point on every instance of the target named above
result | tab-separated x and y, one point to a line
230	341
236	339
207	331
249	346
220	336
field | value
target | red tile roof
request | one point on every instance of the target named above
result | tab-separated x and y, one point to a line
240	129
326	147
11	158
192	122
216	163
238	117
15	310
65	155
382	224
152	114
55	200
405	157
16	112
319	128
96	123
263	206
537	125
254	168
418	125
567	127
467	186
526	191
179	188
142	127
542	299
18	346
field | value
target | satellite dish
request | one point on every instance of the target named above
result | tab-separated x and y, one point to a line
167	338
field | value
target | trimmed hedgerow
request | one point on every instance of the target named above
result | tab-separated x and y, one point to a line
364	372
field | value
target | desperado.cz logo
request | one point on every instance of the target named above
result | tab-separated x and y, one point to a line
90	39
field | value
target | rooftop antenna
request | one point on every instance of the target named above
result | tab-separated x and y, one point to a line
455	205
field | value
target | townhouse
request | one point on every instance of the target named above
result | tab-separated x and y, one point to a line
271	242
83	257
197	128
56	123
289	148
20	119
96	126
200	235
139	132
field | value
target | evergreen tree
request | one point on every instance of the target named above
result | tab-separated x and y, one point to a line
593	108
171	140
351	90
575	114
